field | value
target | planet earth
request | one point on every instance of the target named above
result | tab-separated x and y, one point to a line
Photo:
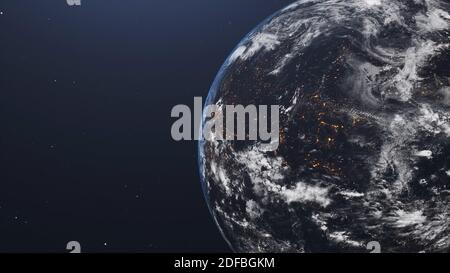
364	155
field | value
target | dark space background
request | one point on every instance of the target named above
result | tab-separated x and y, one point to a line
85	100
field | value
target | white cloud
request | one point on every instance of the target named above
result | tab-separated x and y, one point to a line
307	193
425	153
404	219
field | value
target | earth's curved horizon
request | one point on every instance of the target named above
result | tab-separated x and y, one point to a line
364	90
